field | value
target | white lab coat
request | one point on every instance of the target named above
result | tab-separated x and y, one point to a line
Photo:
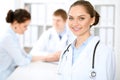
80	70
49	42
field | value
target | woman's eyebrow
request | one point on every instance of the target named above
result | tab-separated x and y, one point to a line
77	16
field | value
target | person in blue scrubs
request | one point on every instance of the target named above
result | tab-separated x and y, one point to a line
11	53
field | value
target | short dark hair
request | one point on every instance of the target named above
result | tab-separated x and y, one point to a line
62	13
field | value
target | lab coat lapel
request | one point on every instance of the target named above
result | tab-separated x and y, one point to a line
70	56
68	63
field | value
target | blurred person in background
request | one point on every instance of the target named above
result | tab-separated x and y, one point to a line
11	53
54	40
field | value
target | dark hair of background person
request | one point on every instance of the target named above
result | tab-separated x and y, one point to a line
19	15
62	13
89	8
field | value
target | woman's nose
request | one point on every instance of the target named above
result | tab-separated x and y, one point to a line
75	22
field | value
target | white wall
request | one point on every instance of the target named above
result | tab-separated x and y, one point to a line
117	38
5	5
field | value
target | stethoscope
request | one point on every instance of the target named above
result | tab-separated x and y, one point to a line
92	73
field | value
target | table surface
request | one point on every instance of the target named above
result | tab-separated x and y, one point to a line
35	71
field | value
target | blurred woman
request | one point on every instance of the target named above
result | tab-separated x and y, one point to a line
11	53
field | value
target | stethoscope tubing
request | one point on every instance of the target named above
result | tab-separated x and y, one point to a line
93	59
93	73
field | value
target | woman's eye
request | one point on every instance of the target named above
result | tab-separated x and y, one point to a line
70	18
82	19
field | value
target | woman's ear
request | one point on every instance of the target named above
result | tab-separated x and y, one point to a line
15	23
92	21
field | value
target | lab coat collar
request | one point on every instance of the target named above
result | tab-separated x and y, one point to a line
62	33
54	33
84	43
88	51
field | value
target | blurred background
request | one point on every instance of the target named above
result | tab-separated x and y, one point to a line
41	10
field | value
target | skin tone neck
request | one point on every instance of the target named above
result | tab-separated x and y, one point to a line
81	39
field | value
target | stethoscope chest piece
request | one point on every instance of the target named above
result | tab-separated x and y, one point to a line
92	74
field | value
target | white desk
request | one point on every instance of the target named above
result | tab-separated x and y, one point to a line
35	71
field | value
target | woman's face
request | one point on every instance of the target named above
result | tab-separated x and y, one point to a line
79	21
22	27
58	23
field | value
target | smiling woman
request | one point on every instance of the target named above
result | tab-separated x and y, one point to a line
86	58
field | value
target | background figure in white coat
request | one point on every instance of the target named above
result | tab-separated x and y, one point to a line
54	40
76	62
11	53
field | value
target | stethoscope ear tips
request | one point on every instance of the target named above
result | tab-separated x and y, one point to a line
92	74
